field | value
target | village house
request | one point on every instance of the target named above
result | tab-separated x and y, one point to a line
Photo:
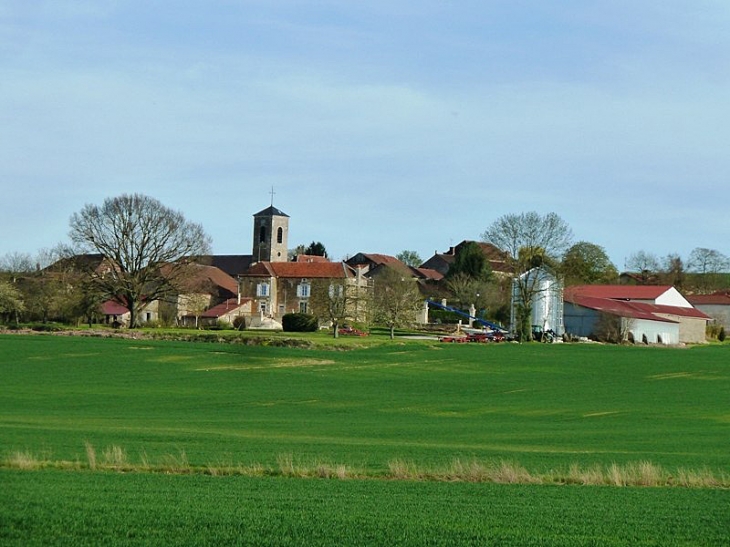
278	288
499	261
206	287
233	311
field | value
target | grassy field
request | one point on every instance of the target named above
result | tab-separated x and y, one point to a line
66	508
412	409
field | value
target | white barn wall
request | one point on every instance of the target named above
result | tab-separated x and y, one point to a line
656	332
672	297
580	321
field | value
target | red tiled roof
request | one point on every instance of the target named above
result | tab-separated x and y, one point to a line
301	270
113	308
219	278
225	307
311	258
427	273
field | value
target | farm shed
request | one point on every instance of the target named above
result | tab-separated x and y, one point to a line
116	314
716	305
655	314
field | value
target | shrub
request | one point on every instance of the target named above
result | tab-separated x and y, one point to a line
154	324
299	322
713	330
220	325
721	334
46	327
239	323
444	317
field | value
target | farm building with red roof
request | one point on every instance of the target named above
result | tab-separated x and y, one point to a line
716	305
649	313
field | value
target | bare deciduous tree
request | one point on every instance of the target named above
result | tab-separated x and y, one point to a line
709	264
13	264
672	271
148	245
644	264
339	301
396	299
531	240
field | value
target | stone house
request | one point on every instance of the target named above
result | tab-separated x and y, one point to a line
228	312
206	287
278	288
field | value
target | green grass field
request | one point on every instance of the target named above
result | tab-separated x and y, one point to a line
66	508
409	409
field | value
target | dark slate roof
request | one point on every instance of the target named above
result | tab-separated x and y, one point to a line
271	211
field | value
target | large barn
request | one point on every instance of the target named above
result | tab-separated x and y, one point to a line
653	314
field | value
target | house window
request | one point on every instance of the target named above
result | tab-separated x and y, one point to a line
282	309
336	291
262	289
303	306
262	307
280	235
304	290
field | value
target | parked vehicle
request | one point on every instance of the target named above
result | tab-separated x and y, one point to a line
350	331
475	336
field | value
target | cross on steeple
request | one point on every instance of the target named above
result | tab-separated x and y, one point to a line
272	196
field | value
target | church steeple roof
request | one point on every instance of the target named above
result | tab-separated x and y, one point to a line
271	212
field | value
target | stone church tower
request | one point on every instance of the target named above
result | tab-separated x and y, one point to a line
270	235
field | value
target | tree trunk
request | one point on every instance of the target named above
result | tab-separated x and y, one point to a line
132	313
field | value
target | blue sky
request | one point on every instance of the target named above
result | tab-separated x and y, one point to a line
381	125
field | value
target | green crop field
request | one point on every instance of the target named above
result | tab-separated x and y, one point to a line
62	508
191	421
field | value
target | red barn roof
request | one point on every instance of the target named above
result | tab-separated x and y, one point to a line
619	292
634	309
716	299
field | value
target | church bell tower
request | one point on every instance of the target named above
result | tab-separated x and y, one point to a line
270	235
